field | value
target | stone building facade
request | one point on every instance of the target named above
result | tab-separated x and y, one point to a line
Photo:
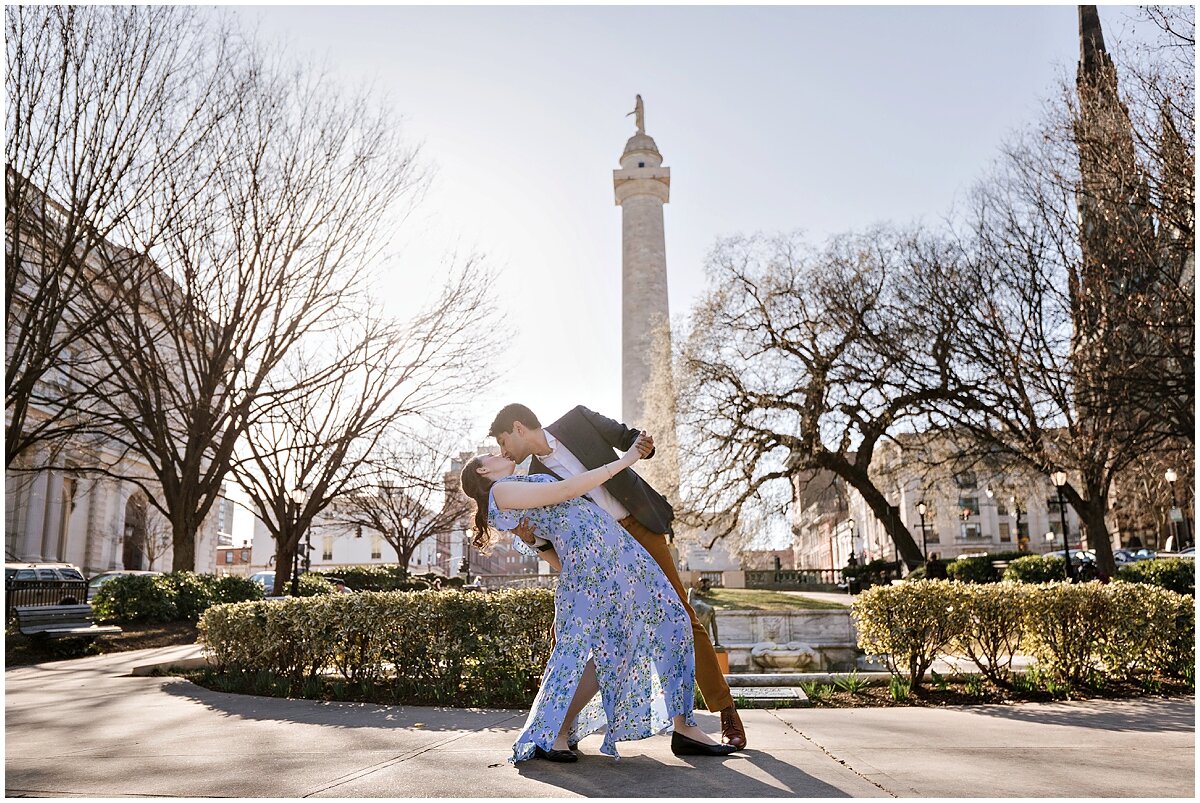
58	507
969	509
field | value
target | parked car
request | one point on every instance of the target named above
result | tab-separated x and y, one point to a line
43	584
1124	557
266	580
98	580
1078	556
1190	552
1145	554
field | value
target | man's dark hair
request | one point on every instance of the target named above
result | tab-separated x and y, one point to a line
510	415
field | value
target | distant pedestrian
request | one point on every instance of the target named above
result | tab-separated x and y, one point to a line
935	569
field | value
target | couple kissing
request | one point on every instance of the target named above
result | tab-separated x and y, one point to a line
628	648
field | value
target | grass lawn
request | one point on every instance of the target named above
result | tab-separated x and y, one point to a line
753	599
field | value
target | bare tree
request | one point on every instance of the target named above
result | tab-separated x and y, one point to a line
1078	285
103	104
405	498
800	360
271	237
157	537
317	425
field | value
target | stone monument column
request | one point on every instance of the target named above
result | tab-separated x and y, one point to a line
642	186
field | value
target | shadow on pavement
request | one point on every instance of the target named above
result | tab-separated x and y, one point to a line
345	714
1153	715
750	773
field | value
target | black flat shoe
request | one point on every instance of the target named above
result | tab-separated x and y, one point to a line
683	746
561	756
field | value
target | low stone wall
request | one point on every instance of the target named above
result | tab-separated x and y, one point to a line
830	632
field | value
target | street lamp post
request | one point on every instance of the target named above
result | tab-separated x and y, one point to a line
1060	479
921	512
298	496
1016	509
1177	514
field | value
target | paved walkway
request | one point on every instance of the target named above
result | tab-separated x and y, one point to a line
88	728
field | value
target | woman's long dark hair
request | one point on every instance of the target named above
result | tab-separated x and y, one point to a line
477	486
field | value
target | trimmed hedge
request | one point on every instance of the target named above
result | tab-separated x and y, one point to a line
1077	632
979	569
388	578
1037	569
420	647
169	597
908	624
135	598
1173	574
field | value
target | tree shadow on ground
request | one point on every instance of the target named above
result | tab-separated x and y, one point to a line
1146	715
346	714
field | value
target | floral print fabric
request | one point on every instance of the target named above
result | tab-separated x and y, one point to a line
613	604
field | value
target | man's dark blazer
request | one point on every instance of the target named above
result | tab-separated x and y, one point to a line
592	438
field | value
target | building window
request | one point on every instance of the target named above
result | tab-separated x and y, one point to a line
965	479
968	506
1005	535
327	548
970	530
228	556
1053	507
931	535
1001	509
376	548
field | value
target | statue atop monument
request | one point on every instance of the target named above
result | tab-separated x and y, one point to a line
639	112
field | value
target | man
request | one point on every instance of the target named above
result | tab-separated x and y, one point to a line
935	569
583	440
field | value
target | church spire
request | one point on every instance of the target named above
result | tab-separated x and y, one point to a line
1093	56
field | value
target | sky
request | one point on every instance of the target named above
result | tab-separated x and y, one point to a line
821	119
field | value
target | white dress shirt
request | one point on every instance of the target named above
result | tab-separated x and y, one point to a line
564	464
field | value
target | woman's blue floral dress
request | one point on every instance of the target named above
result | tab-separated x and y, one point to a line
613	604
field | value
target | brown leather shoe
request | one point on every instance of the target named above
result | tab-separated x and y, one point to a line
732	731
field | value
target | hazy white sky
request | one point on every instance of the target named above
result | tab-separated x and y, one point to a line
824	119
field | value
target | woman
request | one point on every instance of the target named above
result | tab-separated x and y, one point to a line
619	627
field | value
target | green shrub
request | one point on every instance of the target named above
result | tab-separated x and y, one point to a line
1173	574
916	574
991	627
313	585
972	570
1140	616
1036	569
908	624
388	578
135	598
191	592
231	588
1078	632
1065	622
424	647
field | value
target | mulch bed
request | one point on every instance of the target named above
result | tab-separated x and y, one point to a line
24	651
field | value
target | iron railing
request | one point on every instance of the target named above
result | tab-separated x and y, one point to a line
43	592
794	579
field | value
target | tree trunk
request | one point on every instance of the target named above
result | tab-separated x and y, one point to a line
1092	511
887	515
285	555
183	541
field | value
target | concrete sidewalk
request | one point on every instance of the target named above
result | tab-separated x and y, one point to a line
89	728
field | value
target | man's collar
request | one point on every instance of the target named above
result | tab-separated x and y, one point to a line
551	441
